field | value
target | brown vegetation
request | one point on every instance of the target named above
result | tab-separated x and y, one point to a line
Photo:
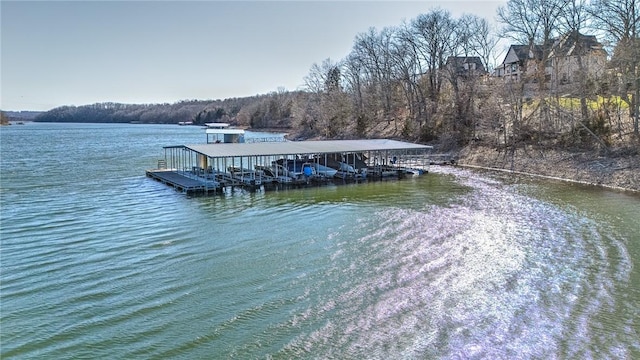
619	169
4	120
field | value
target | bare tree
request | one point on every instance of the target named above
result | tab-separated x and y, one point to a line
573	19
353	79
319	76
412	69
432	38
325	110
372	49
534	23
620	21
463	70
404	68
483	40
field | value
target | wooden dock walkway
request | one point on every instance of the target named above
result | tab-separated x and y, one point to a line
183	183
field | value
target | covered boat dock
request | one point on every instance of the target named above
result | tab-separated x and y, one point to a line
212	167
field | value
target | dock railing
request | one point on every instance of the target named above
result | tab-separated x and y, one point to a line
264	139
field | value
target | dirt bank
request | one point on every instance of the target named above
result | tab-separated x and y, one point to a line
616	169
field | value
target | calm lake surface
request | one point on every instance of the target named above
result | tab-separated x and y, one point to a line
98	261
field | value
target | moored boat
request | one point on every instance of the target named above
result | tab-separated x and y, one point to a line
247	176
277	174
324	171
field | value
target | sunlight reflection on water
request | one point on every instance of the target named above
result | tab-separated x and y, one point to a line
497	276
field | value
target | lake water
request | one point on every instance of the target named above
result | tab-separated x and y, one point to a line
98	261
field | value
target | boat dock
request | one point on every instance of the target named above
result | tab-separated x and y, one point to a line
214	167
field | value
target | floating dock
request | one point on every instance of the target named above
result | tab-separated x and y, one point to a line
214	167
182	182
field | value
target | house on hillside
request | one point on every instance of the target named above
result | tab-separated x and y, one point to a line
519	61
465	66
561	67
566	54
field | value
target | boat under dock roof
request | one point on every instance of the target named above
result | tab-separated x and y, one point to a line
302	147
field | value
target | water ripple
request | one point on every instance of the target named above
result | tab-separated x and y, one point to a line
497	276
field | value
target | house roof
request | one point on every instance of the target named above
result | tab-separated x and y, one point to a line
519	53
565	45
302	147
572	43
460	61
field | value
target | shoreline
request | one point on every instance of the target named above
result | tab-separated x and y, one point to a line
620	172
548	177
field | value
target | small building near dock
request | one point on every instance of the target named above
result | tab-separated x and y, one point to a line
223	133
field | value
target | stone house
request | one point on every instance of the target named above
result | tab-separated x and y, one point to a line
574	51
563	58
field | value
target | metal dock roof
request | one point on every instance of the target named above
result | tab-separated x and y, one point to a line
302	147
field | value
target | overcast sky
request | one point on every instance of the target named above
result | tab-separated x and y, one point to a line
81	52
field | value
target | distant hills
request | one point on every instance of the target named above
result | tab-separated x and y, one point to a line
21	115
270	110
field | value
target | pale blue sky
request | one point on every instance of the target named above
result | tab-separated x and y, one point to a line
81	52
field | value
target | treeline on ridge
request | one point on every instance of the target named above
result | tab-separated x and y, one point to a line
235	110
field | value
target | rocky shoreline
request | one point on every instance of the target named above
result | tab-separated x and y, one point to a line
617	169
